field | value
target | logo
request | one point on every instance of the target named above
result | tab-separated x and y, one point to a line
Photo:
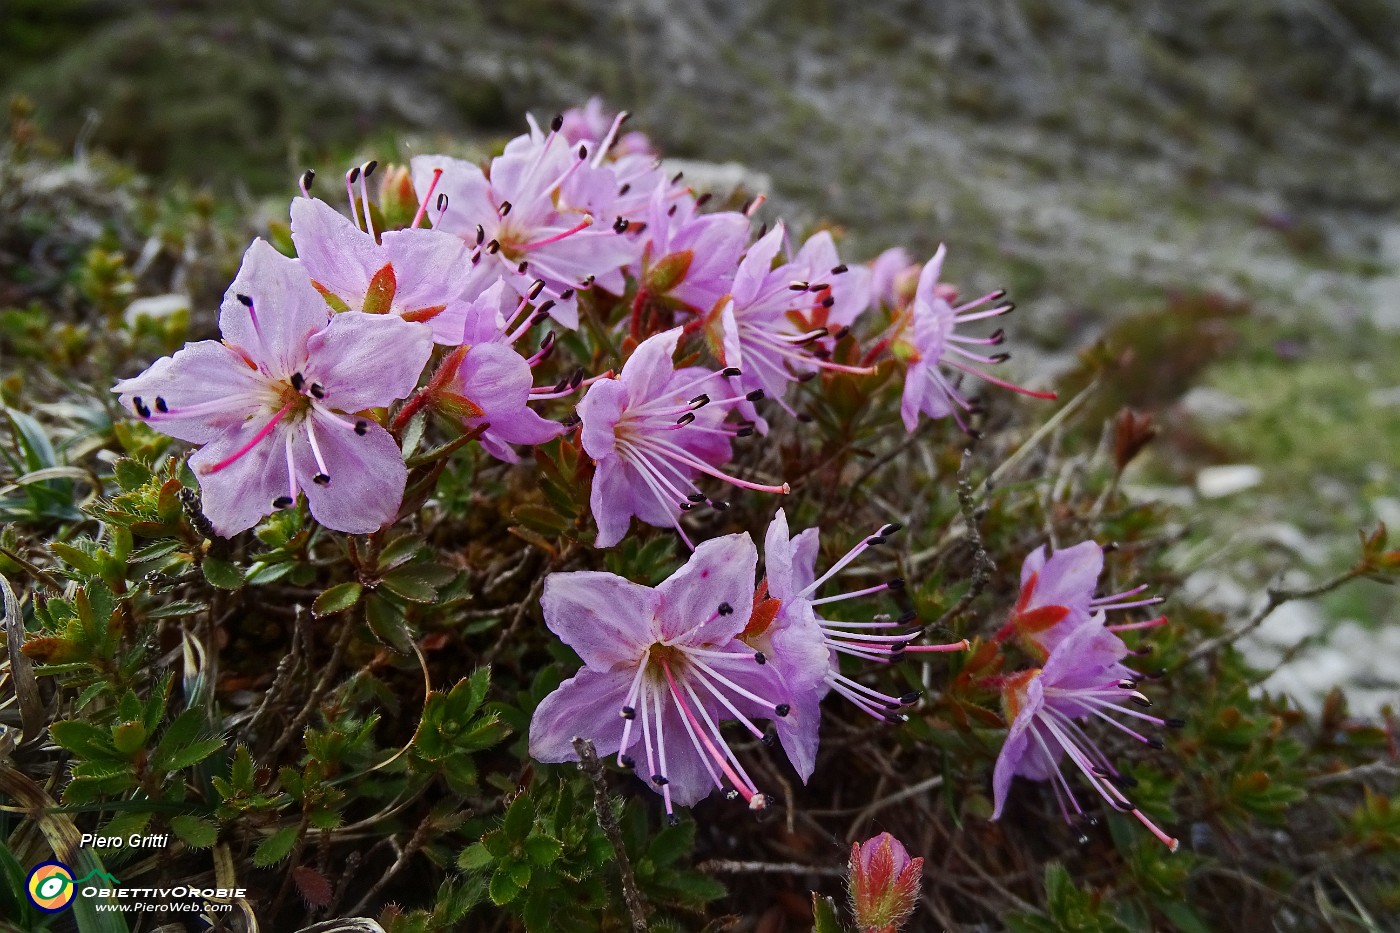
50	887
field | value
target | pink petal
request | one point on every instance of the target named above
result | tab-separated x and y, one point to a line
600	410
432	269
586	705
719	576
288	310
607	619
202	374
237	497
650	366
367	475
367	360
613	500
465	187
335	252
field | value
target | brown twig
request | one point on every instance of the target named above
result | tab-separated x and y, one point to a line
717	866
588	763
982	563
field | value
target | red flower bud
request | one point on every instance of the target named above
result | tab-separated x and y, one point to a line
884	884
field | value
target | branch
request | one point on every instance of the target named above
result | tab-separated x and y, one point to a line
982	564
718	865
588	763
1277	597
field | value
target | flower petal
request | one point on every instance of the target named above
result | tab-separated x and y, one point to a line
288	310
237	497
205	374
607	619
720	573
367	475
586	705
367	360
613	500
336	253
650	367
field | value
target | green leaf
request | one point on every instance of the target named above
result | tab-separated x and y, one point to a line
388	623
221	573
338	598
541	849
276	847
194	832
474	857
83	739
520	818
824	915
503	888
128	737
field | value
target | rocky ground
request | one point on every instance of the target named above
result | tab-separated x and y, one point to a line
1096	157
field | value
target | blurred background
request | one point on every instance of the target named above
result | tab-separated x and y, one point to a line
1200	197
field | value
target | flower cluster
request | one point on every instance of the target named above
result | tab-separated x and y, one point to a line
1081	678
708	647
327	358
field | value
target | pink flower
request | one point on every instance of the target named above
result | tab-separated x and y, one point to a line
416	274
778	323
786	617
662	667
689	259
514	228
274	405
651	432
924	339
1057	596
1081	680
884	884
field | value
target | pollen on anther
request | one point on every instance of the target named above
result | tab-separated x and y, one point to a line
362	428
161	406
321	479
725	609
282	502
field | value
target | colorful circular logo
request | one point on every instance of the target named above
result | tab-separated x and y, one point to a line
50	887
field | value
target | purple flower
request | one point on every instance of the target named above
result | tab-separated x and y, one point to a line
886	271
592	124
661	665
884	883
491	384
789	599
416	274
274	404
515	230
653	430
924	339
1057	596
1080	680
777	325
689	259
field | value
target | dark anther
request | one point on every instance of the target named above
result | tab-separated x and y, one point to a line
769	737
677	177
725	609
1101	773
627	761
493	247
837	270
524	265
760	657
476	257
827	302
672	820
1142	701
755	395
704	199
818	286
282	502
798	286
318	390
562	385
1158	744
731	371
808	377
536	287
566	294
840	334
298	381
700	401
161	406
587	281
805	418
370	167
140	407
504	209
1000	357
557	123
744	431
307	177
998	337
576	378
1127	685
544	308
906	617
628	713
354	174
244	300
719	505
896	584
480	234
997	295
1174	723
897	649
321	479
624	189
620	225
671	211
891	528
696	497
582	152
442	201
876	540
659	780
1110	547
911	697
362	428
782	709
1124	781
685	506
685	418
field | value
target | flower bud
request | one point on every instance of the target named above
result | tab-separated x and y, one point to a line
398	202
884	884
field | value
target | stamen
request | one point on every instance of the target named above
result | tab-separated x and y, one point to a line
304	183
256	439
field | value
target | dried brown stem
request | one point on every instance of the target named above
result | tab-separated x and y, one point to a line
588	763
